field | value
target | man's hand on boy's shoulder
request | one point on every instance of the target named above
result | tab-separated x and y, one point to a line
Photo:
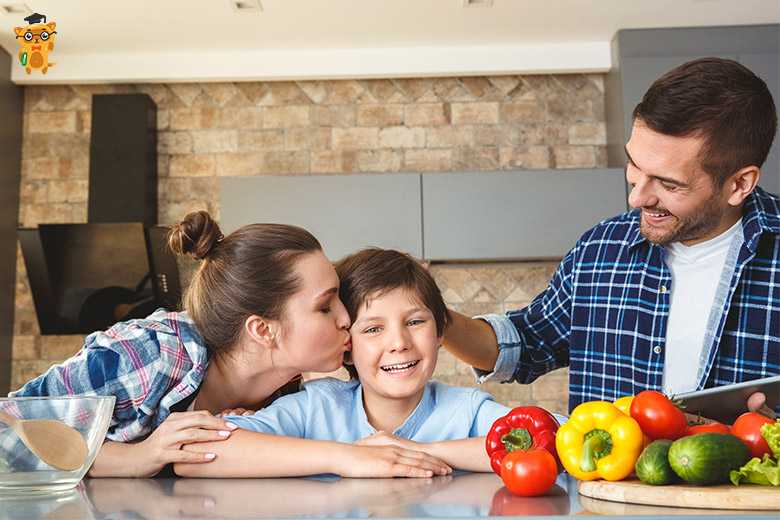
235	411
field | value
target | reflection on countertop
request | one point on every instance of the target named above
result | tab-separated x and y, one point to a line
464	495
456	496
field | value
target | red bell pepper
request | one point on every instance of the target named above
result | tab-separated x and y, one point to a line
523	428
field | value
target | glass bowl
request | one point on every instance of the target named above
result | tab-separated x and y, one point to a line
20	469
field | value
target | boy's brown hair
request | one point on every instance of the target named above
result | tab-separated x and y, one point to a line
371	272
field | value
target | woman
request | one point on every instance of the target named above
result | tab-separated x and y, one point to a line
262	309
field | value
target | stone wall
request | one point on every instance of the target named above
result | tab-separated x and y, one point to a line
209	130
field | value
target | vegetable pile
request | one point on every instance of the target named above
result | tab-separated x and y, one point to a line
646	434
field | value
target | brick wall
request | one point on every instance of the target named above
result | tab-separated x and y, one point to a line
209	130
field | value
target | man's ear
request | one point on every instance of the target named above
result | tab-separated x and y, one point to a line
261	331
742	183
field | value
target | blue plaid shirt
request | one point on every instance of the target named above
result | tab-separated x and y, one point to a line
606	311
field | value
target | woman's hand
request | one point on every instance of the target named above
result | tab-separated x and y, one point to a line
163	446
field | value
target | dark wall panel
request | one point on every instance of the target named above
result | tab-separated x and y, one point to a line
11	111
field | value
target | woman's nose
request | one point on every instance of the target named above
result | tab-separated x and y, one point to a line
342	316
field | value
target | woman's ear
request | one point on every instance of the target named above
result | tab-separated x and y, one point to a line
261	331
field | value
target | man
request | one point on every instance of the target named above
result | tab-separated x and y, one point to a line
679	294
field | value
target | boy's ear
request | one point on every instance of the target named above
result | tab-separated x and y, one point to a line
261	331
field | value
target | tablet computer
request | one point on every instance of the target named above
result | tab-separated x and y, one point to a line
726	403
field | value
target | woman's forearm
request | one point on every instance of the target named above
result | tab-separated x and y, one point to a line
117	459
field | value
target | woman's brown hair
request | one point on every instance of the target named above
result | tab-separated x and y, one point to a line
372	272
249	272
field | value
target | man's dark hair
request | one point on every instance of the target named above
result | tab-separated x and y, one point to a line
719	100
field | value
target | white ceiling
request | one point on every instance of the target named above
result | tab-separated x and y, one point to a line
208	40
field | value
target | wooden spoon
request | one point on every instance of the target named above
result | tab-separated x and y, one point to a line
52	441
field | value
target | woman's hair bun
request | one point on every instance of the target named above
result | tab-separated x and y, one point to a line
196	234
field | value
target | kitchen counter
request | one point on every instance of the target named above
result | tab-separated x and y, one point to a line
458	496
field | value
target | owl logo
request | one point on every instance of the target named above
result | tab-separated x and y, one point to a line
37	41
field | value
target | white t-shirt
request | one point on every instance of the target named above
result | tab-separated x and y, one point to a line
696	272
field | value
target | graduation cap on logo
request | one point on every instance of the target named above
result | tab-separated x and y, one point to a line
35	18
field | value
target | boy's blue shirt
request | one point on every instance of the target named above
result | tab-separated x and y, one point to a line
331	409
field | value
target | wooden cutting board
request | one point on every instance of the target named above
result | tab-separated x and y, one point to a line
724	496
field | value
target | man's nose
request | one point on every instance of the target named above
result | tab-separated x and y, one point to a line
641	196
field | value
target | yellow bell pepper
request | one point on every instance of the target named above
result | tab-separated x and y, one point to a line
624	404
599	441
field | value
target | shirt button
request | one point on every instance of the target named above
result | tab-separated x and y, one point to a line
657	349
663	291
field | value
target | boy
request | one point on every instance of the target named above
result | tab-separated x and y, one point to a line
398	319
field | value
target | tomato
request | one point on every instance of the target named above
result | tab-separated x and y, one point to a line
529	473
658	417
714	427
748	428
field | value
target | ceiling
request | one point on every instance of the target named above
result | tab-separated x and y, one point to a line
215	40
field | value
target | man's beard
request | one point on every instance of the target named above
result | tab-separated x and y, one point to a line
696	226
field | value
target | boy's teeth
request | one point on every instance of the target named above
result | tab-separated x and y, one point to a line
398	368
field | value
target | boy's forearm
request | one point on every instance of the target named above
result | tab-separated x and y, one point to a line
461	454
251	454
472	341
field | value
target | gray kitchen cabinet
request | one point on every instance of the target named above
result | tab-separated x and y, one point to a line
640	56
345	212
436	216
515	214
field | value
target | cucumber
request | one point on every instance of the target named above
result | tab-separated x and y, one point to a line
652	466
707	458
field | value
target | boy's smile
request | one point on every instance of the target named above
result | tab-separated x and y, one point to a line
394	349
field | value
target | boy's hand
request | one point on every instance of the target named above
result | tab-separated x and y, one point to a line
383	438
389	461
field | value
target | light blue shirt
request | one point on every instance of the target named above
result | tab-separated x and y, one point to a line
331	409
